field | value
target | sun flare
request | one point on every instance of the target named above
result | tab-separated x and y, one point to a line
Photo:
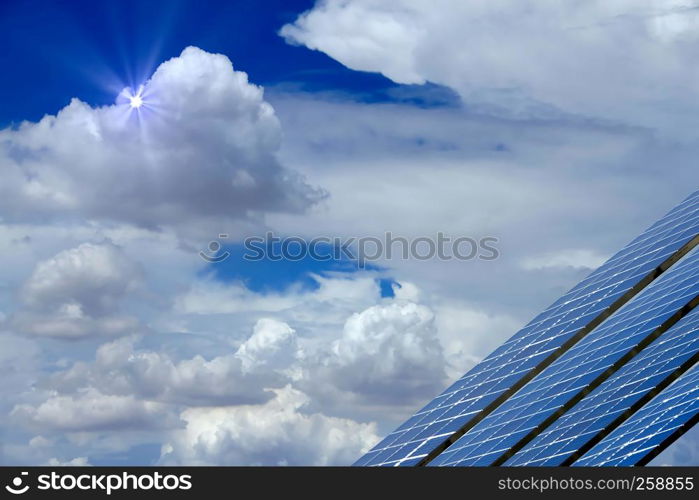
136	101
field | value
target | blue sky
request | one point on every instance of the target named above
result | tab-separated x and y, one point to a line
60	50
120	345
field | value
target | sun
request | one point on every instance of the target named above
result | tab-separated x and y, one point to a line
136	101
135	97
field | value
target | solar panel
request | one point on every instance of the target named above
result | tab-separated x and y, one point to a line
557	385
606	407
501	372
651	428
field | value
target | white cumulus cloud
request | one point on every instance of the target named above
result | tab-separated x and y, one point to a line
387	354
239	377
78	293
200	152
276	433
90	410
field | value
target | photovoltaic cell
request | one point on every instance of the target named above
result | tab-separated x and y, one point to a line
630	385
577	368
457	405
641	434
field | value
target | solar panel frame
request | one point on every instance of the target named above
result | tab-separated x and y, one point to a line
652	428
538	403
483	388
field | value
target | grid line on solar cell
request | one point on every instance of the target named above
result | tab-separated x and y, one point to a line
582	368
608	406
652	428
505	370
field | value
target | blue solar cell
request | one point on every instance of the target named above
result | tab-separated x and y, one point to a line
548	331
586	360
641	434
618	394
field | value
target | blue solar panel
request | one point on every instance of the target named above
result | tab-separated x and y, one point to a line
667	412
577	368
634	381
491	378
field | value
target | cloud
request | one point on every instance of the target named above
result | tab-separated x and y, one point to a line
90	410
352	348
228	310
20	365
575	258
386	356
276	433
139	393
94	277
272	344
74	462
119	368
78	293
605	59
208	296
200	153
388	353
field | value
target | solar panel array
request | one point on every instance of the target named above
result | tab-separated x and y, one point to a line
577	368
672	352
667	413
487	386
